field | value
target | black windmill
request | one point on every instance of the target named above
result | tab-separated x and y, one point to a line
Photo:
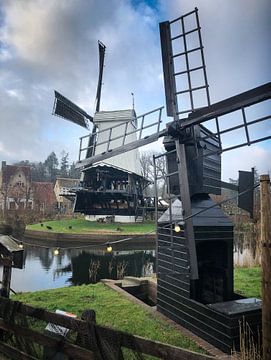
112	188
194	236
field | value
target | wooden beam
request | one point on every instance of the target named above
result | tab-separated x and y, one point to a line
14	353
120	150
266	264
229	105
133	342
6	281
45	340
42	314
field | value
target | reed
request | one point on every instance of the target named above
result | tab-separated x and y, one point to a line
250	344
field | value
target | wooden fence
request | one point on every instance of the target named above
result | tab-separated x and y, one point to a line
89	350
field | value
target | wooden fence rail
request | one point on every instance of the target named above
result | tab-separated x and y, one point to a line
135	343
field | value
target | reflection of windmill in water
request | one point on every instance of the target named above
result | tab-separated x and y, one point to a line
195	264
112	187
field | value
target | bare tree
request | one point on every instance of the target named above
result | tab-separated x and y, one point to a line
147	166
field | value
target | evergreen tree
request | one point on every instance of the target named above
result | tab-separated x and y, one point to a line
64	164
73	172
51	166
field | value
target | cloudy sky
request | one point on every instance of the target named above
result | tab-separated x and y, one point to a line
47	45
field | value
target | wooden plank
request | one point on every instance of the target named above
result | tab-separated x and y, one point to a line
130	341
154	348
226	106
266	264
14	353
120	150
45	340
42	314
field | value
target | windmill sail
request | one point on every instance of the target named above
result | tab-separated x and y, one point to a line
102	48
66	109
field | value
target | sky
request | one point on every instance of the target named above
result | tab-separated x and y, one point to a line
47	45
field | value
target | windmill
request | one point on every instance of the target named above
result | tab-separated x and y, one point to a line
195	265
113	188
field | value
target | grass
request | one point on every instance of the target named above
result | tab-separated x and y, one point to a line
112	309
247	281
81	226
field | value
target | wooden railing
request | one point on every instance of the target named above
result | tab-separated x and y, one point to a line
62	345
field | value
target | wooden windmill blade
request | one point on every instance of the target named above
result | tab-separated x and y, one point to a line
239	107
66	109
102	48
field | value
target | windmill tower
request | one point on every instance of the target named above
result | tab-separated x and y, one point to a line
194	236
112	188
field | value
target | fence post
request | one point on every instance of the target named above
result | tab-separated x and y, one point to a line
266	264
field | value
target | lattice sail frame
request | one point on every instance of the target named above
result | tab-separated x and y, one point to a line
184	65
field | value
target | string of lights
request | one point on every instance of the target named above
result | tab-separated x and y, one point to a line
108	244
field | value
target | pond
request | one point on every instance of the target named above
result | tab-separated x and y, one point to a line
43	269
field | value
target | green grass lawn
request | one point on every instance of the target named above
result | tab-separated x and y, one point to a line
112	309
247	281
81	226
116	311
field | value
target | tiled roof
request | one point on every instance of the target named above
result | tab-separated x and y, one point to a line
44	192
10	170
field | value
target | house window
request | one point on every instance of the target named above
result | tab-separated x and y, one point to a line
20	183
12	205
21	205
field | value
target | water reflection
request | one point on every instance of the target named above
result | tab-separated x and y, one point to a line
42	270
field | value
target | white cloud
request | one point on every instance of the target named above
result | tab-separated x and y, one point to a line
48	45
244	159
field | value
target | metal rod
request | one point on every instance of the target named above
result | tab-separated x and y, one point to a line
80	147
125	133
142	126
109	139
218	133
245	124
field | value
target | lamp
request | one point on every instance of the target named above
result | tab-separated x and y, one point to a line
56	251
177	228
109	248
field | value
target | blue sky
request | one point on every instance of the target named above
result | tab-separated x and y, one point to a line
53	45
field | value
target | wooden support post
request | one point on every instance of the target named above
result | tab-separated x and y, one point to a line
266	264
6	280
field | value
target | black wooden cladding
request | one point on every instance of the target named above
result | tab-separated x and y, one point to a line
202	169
186	301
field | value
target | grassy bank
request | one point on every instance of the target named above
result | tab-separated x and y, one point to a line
247	281
112	309
116	311
81	226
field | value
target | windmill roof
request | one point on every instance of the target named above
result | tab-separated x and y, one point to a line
208	213
176	213
116	115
